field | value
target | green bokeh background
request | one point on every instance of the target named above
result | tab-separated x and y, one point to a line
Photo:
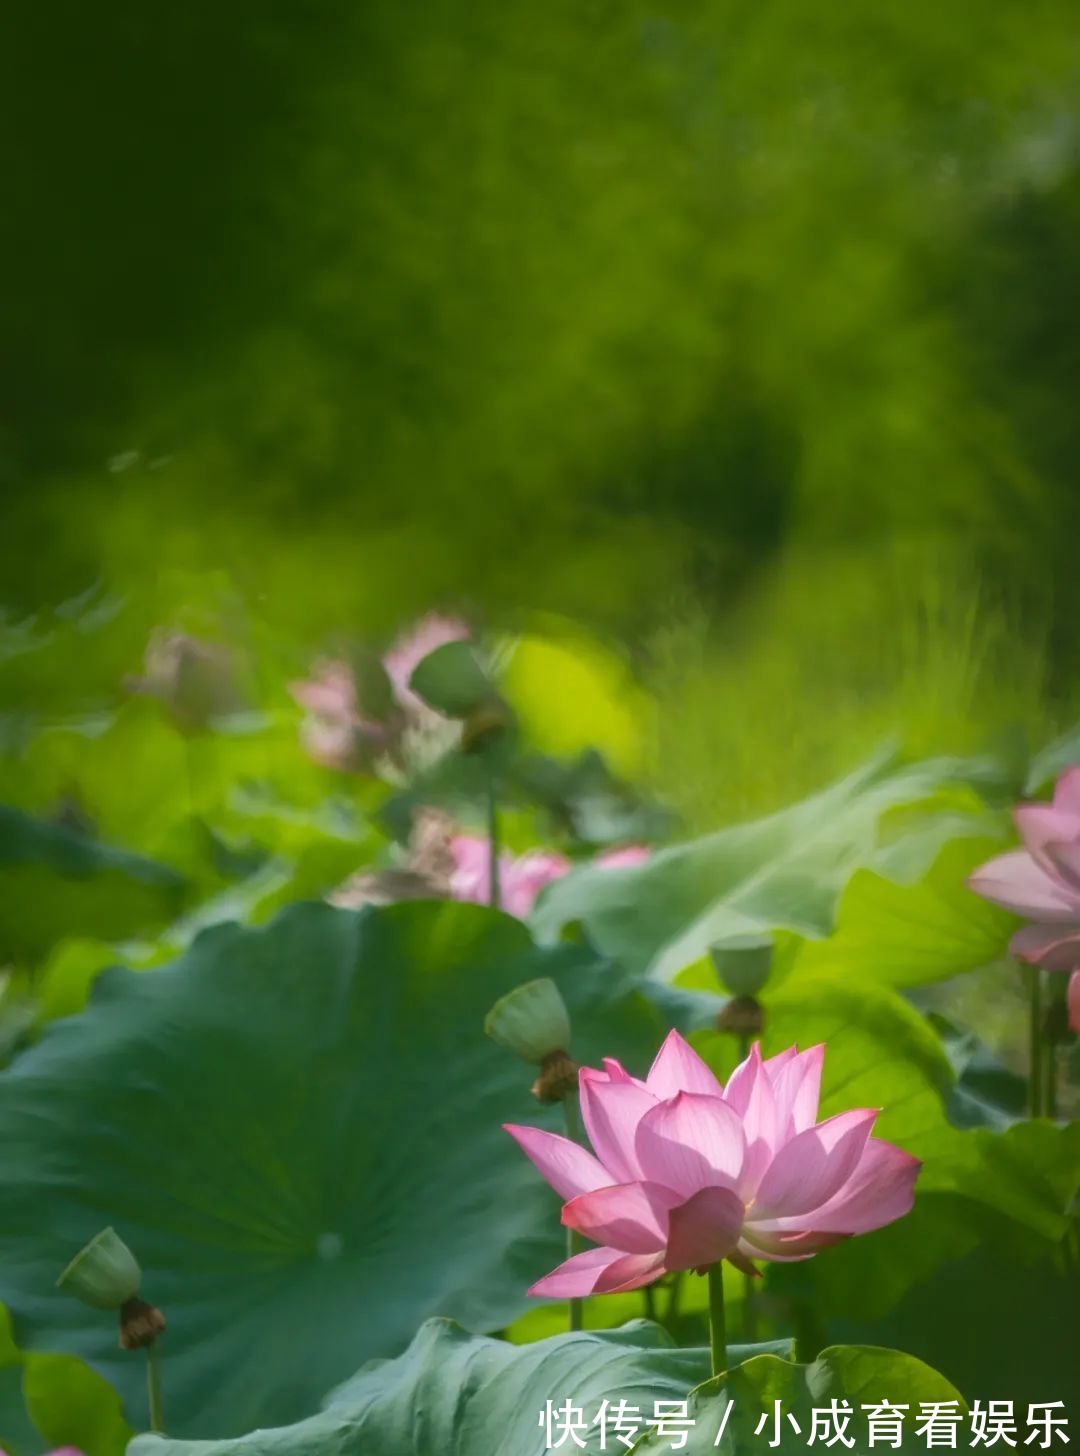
747	334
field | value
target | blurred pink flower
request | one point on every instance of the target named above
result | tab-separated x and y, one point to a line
687	1172
335	733
1074	1001
410	649
1042	880
521	877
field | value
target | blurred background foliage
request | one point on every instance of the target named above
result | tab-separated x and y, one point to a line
746	335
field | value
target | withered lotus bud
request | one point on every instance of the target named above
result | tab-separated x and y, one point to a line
558	1078
742	1016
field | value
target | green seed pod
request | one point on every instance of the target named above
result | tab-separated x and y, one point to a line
532	1021
105	1274
744	964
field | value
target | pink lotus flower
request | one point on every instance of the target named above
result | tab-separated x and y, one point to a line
521	877
1042	880
412	647
335	733
1074	1001
687	1172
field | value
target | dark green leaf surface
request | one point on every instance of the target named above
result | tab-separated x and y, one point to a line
297	1129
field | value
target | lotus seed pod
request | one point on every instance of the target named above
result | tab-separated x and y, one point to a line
744	965
105	1274
532	1021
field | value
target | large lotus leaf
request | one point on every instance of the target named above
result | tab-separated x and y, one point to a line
785	872
298	1130
1009	1337
755	1401
455	1394
910	934
1013	1187
56	882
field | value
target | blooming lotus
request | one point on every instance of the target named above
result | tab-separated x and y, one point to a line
1041	881
521	877
685	1172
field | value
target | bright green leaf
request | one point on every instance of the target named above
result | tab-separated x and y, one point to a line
747	1395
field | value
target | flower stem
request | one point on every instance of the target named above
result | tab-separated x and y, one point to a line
717	1328
1050	1089
648	1294
153	1389
494	898
1035	1034
672	1313
574	1243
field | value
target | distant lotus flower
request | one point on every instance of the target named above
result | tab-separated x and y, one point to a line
1074	1001
410	649
335	733
197	681
1042	880
687	1172
60	1451
521	877
341	733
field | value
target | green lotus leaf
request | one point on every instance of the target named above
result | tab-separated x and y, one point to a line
55	882
910	934
455	1392
786	872
745	1399
297	1131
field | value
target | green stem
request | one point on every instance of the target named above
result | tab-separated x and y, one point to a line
673	1300
749	1309
1035	1033
1050	1088
648	1293
717	1328
153	1389
574	1243
494	898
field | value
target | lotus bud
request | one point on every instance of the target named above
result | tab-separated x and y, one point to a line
105	1275
531	1021
744	964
